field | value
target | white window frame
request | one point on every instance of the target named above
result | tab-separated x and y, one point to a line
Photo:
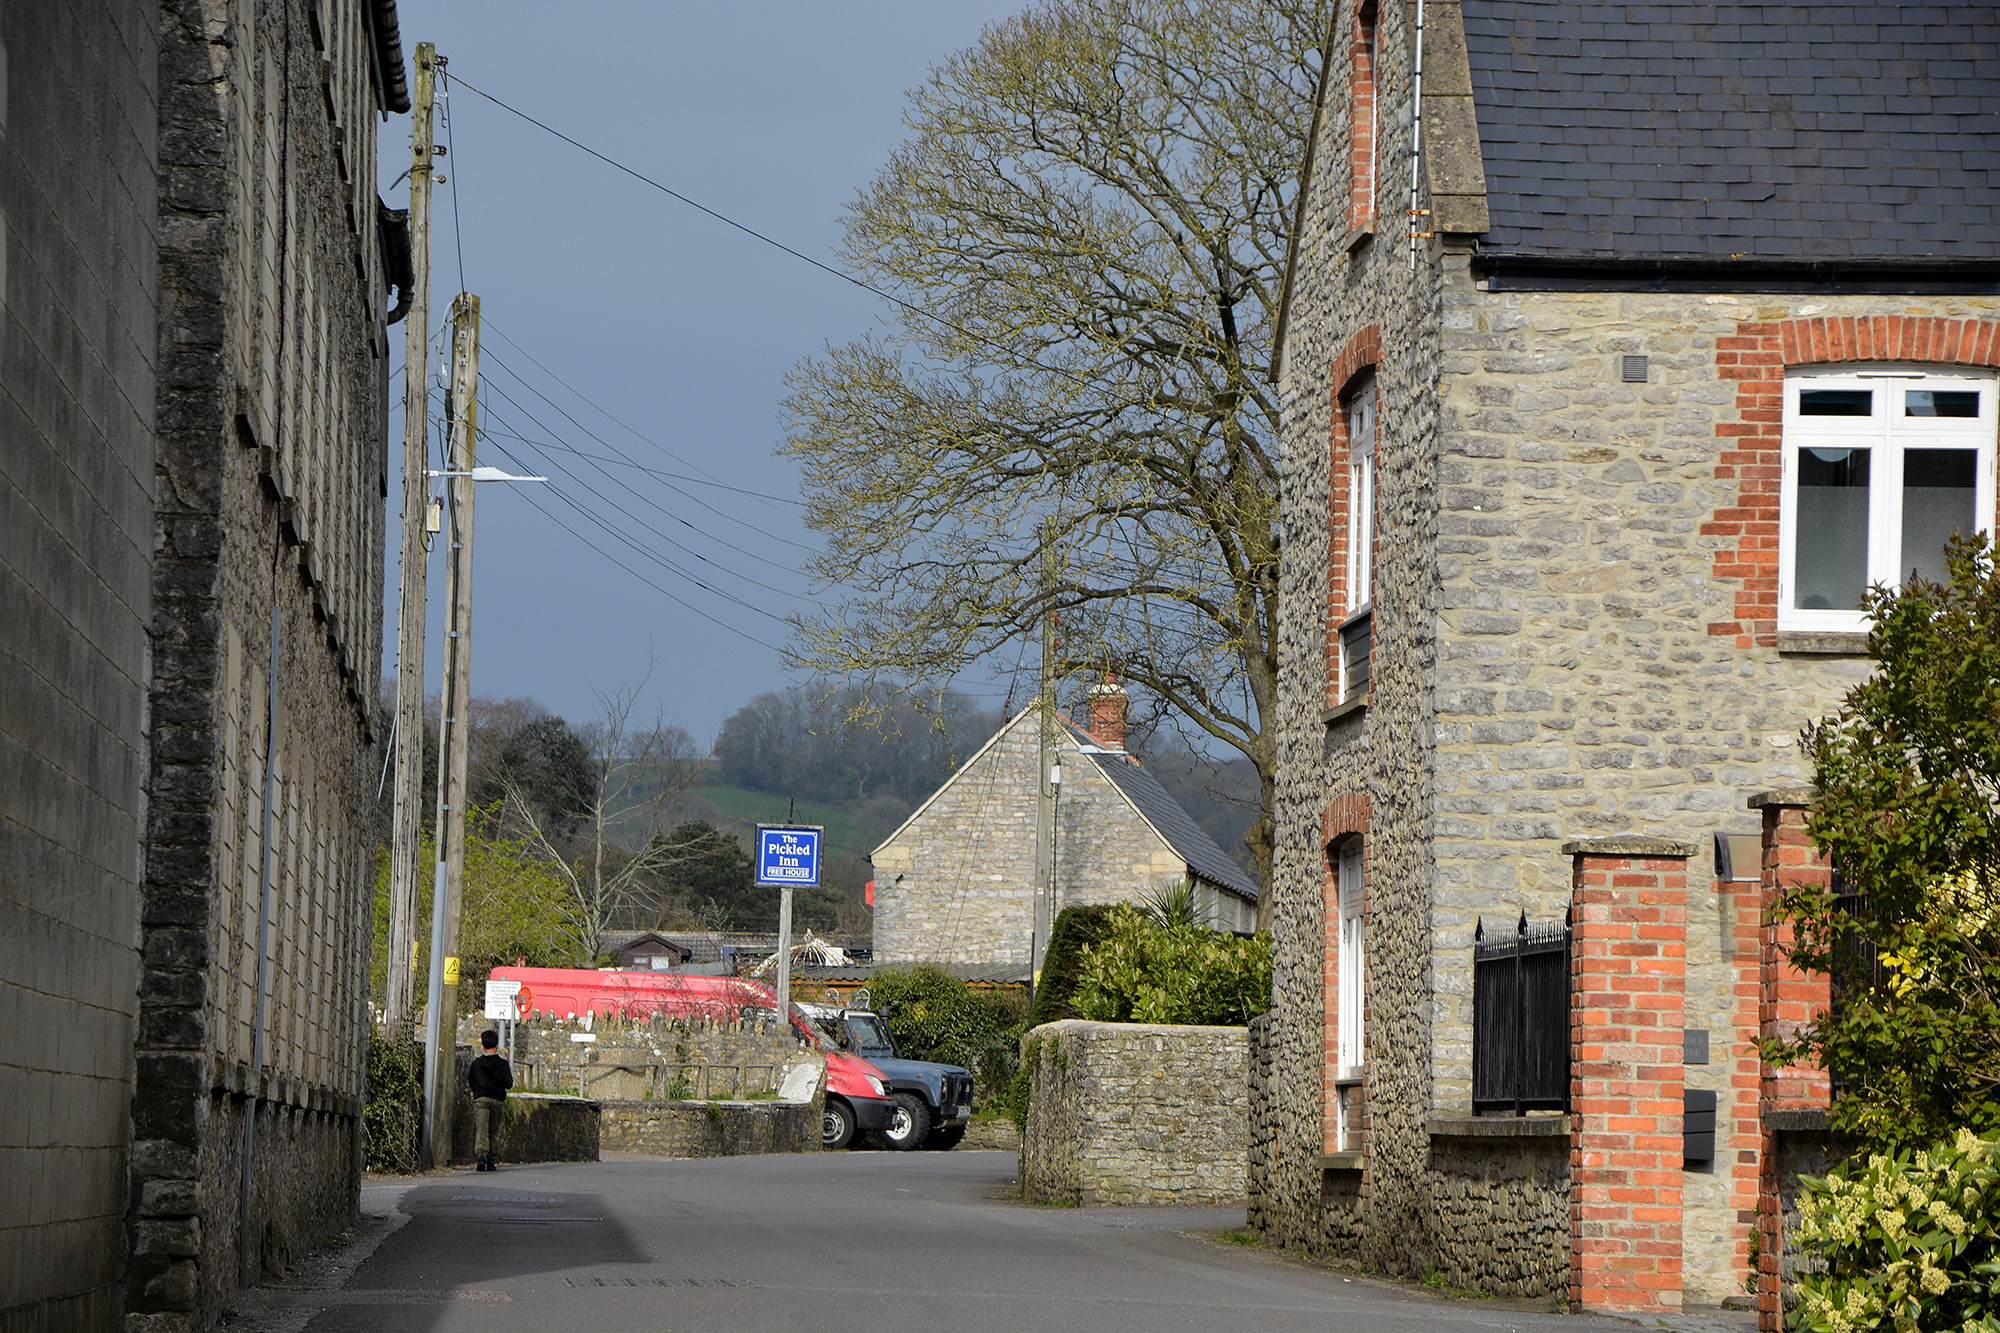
1361	429
1359	592
1350	1033
1886	432
1351	1049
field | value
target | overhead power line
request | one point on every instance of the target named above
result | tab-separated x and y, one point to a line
695	499
598	519
776	244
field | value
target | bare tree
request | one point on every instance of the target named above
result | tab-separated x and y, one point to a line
609	849
1087	233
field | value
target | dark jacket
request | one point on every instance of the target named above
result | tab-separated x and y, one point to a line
490	1076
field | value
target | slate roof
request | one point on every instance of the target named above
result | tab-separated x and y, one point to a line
1204	857
1733	131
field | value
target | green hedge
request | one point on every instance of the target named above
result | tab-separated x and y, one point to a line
1075	929
1143	971
937	1017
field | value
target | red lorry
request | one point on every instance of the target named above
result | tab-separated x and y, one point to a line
857	1096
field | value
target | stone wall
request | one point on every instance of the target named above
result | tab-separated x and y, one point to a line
1501	1198
78	128
1123	1113
645	1058
956	883
535	1127
270	455
712	1129
1361	313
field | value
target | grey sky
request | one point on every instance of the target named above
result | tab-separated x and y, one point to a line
671	322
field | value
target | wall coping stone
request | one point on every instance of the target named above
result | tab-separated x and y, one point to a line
1498	1127
1629	844
1795	796
1801	1120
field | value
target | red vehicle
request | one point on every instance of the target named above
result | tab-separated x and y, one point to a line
857	1096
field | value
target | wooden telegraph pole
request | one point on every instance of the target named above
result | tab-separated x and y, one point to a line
454	730
407	825
1045	792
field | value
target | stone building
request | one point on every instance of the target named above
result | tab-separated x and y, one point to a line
1605	397
193	402
956	883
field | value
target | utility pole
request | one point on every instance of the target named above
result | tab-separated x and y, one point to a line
453	729
1045	792
407	825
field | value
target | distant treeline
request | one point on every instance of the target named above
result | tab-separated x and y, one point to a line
850	744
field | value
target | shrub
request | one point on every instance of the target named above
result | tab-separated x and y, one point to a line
1143	971
1075	929
1909	1241
937	1017
392	1115
1905	776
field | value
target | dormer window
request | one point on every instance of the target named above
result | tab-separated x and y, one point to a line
1881	467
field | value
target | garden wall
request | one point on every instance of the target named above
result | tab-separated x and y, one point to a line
534	1127
1123	1113
712	1129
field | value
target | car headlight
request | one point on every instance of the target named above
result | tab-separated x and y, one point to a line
876	1083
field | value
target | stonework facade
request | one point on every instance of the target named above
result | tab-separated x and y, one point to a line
956	883
78	127
196	374
1575	637
1123	1113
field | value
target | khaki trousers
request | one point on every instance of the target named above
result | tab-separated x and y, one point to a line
485	1114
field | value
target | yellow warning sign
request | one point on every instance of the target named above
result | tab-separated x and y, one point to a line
451	971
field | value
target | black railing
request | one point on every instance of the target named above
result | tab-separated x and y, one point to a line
1520	1019
1857	968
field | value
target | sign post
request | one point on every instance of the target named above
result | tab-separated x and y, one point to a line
503	1004
787	856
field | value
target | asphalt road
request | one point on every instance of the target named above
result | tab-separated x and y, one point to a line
849	1241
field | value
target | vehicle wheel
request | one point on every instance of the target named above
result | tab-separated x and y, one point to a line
911	1124
944	1140
836	1124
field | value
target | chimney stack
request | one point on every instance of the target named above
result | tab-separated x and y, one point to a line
1107	712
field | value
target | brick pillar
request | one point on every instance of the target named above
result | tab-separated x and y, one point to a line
1628	970
1788	999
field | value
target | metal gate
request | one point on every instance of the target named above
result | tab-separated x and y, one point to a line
1520	1019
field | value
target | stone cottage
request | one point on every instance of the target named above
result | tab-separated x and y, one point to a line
956	883
1623	346
193	401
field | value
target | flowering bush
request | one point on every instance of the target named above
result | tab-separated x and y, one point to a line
1909	1242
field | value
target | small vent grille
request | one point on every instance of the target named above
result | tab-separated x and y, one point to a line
1632	369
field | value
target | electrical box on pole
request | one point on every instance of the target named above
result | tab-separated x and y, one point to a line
406	825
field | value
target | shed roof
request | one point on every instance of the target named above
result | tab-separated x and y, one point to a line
1738	131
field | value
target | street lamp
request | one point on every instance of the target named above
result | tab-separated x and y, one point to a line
457	672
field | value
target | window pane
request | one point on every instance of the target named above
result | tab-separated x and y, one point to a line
1937	501
1831	546
1836	402
1941	403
